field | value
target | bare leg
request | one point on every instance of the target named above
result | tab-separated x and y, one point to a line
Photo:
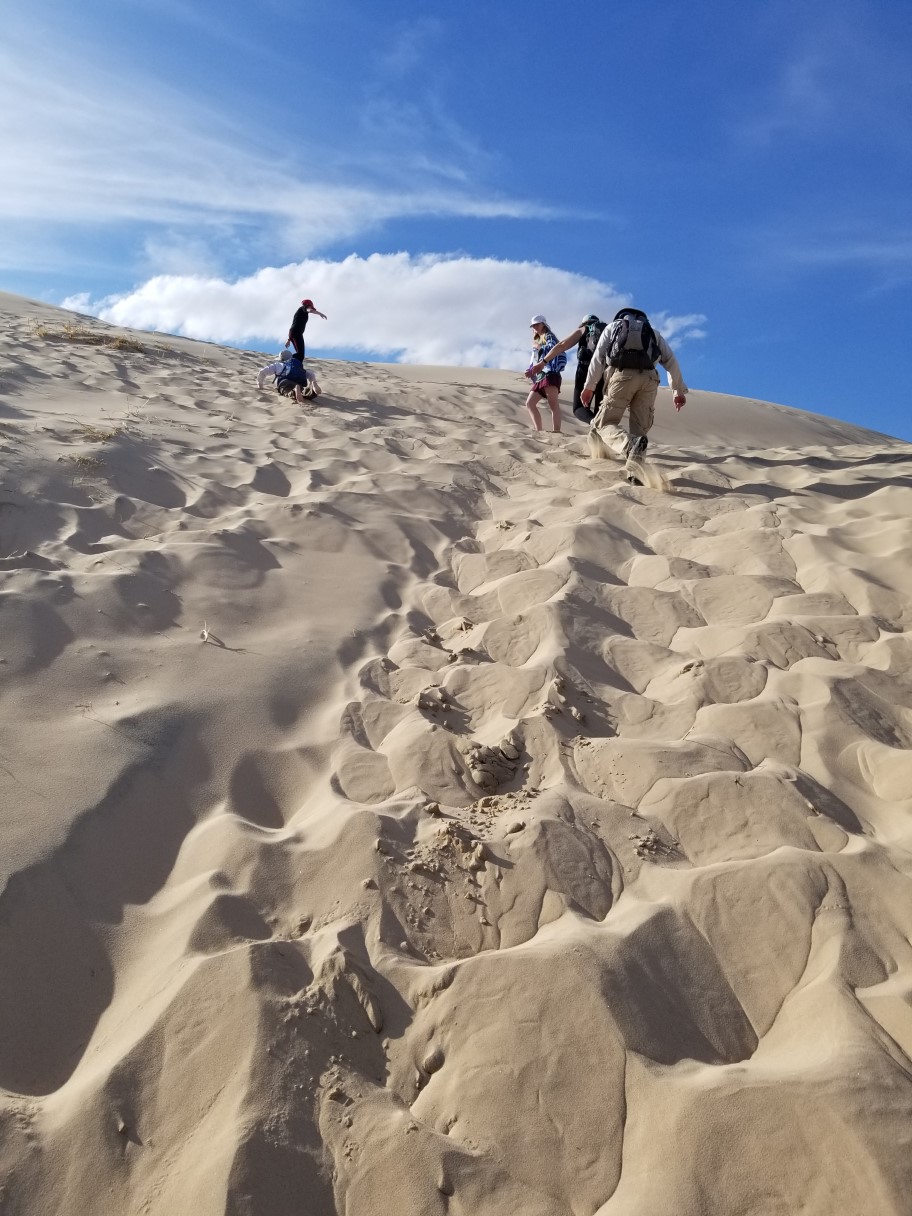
554	403
299	396
532	407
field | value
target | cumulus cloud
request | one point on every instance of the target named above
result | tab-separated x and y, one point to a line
431	309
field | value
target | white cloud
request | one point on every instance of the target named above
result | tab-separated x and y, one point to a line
410	43
840	74
85	148
888	251
433	309
801	101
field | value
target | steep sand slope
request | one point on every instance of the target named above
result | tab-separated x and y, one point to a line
403	814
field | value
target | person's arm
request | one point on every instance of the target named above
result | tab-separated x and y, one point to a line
597	364
548	352
271	369
316	312
559	349
675	379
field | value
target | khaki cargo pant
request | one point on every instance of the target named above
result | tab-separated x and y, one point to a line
633	390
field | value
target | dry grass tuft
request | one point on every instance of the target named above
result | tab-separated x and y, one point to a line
86	465
93	434
87	336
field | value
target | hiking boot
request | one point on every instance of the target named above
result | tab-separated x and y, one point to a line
636	450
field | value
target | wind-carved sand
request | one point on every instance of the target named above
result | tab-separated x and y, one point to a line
402	814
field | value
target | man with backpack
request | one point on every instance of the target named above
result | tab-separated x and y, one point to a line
630	348
586	337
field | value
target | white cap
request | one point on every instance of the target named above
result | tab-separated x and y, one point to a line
538	319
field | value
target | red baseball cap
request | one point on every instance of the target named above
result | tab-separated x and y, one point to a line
308	303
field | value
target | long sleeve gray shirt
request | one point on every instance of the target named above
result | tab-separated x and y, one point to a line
666	358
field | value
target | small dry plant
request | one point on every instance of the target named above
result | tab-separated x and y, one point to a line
94	434
88	466
85	335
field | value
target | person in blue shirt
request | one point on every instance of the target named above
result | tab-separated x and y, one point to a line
546	383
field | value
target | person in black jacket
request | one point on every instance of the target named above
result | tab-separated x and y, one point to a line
299	324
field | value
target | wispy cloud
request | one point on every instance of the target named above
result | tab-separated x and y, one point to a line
800	100
410	44
84	148
431	309
883	260
827	70
872	254
889	252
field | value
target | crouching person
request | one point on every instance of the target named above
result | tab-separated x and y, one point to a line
273	370
291	377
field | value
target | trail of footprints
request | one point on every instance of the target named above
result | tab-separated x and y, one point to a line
570	706
685	573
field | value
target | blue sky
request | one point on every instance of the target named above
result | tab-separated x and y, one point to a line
432	174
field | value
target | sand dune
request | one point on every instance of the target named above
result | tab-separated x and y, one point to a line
404	814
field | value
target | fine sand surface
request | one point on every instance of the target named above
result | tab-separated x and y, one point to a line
403	815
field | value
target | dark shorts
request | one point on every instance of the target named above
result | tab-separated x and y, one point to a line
551	379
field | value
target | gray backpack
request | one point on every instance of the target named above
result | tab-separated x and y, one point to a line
633	341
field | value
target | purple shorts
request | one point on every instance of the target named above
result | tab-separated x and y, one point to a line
551	379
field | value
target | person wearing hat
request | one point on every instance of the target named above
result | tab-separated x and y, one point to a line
586	337
274	369
546	382
299	324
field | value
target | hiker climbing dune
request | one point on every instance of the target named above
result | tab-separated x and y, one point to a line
627	354
546	383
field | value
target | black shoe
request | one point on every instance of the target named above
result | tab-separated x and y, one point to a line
633	481
636	447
